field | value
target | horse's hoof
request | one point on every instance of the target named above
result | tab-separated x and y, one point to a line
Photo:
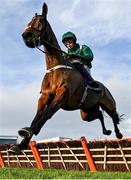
14	150
119	135
107	132
25	132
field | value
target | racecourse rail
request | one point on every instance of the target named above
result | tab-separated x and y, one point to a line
102	155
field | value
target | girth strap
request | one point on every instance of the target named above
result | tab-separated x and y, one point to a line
84	96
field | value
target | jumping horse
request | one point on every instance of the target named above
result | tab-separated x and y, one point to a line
62	86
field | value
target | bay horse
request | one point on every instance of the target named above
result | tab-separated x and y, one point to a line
62	86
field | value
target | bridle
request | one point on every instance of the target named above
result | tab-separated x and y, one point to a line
38	40
46	42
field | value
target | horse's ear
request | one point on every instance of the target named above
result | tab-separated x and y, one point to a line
44	9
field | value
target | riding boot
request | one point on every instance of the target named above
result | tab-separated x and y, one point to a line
88	80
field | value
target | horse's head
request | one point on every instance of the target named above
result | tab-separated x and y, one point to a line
34	31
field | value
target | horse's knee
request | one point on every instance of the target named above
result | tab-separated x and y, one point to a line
84	115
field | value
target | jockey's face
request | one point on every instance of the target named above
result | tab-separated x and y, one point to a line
69	44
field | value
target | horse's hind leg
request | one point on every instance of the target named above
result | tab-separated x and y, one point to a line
92	115
115	117
101	118
116	120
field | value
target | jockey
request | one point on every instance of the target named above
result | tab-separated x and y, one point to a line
80	57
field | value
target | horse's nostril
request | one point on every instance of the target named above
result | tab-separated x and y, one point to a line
27	35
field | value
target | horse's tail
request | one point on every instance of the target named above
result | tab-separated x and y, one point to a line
119	118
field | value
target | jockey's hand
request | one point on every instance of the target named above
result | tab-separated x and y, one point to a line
77	64
67	56
72	56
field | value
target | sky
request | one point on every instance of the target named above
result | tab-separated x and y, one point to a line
103	25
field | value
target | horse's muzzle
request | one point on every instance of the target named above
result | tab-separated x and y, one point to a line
30	41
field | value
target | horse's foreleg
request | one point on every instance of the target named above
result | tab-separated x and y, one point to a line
42	105
44	100
48	112
27	132
45	112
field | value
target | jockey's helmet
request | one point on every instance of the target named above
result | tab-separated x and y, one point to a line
68	35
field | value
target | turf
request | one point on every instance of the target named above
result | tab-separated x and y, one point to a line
8	173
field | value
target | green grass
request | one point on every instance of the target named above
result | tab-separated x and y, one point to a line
8	173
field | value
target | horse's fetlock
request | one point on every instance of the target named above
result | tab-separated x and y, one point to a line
117	131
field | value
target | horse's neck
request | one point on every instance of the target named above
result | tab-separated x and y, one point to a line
53	56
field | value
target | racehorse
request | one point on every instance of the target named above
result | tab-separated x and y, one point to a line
62	86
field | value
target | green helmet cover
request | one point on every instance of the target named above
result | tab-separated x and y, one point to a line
68	35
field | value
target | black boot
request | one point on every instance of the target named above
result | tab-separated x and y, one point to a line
88	80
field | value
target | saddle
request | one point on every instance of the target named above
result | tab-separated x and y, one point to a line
91	95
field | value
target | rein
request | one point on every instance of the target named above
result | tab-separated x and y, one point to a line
41	50
59	50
